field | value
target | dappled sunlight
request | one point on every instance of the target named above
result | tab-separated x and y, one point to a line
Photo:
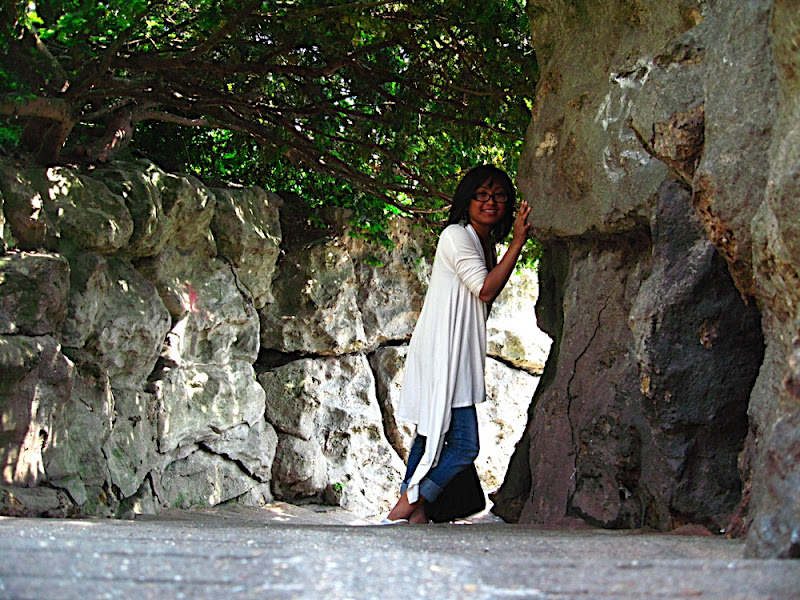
206	399
36	205
197	385
25	465
308	290
280	513
39	378
10	325
61	185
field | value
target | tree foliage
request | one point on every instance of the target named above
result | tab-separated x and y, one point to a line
374	104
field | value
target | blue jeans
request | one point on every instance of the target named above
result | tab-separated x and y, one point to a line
461	447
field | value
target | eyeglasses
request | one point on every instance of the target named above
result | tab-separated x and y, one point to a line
499	197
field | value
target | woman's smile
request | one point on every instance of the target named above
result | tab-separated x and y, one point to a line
487	213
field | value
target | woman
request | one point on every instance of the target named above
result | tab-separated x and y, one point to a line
444	373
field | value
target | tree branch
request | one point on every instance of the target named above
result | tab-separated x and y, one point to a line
54	109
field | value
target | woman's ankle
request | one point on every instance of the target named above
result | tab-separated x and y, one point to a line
419	517
403	509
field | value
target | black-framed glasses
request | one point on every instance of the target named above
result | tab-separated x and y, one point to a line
499	197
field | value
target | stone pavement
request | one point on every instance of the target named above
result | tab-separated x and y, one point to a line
285	551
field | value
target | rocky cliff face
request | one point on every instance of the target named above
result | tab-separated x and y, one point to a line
167	344
662	164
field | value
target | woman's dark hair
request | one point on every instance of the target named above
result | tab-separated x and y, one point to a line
475	178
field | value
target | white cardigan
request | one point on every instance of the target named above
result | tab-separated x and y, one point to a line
447	354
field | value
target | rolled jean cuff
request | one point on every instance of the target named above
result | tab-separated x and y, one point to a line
429	490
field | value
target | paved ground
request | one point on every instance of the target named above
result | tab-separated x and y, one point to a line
285	551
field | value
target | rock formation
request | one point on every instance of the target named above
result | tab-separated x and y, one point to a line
662	164
163	343
167	344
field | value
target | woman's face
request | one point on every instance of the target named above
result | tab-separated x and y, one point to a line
490	212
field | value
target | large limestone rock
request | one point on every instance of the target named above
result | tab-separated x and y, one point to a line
74	459
139	186
391	282
735	158
251	447
331	444
688	320
89	289
628	434
34	292
118	317
247	230
59	209
36	384
198	402
582	167
657	342
511	335
132	446
203	479
502	419
212	323
167	209
774	407
35	502
336	294
316	304
56	411
387	364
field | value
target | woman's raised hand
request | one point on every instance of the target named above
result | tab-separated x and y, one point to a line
498	277
521	225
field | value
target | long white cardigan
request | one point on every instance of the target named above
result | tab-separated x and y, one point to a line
447	354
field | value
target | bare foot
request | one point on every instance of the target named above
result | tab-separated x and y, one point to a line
403	509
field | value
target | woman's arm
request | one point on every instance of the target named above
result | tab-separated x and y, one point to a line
498	277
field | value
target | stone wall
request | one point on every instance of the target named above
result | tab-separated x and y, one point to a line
165	344
662	164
